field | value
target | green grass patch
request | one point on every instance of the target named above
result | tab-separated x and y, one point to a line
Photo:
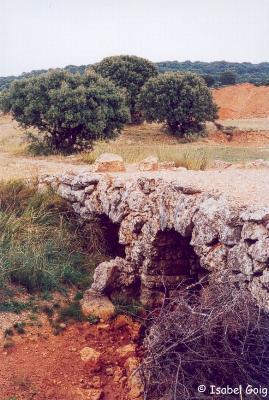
14	306
43	246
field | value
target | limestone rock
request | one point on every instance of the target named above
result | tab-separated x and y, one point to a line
216	259
239	260
220	164
65	191
259	292
89	354
109	162
99	306
256	214
112	274
260	250
149	164
126	350
167	165
254	231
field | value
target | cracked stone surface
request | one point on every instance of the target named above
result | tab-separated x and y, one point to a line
172	231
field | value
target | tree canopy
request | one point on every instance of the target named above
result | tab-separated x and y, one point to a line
72	110
129	73
181	100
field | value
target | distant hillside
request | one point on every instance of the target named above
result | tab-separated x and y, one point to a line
245	72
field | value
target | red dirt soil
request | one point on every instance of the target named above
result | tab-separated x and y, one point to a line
242	101
42	366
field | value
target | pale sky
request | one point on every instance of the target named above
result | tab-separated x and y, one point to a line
37	34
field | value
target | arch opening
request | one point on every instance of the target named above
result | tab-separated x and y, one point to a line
111	237
173	263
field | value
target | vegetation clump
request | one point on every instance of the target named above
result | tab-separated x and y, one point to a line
182	101
42	244
71	110
129	73
216	337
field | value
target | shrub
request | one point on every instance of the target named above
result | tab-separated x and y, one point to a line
181	100
71	110
129	73
218	337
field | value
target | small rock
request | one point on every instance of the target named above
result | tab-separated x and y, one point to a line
149	164
128	349
220	164
167	165
118	374
103	326
260	250
99	306
96	382
109	162
89	354
109	371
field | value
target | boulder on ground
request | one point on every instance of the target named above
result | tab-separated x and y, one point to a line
149	164
220	164
93	304
109	162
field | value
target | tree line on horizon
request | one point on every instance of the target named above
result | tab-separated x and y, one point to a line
215	73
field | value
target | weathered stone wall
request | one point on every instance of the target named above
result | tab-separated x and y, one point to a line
170	233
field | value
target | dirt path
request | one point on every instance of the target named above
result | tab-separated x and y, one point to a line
12	166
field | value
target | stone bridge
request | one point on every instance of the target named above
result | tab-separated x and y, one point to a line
169	233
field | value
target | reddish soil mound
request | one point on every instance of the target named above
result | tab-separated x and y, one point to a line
242	101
